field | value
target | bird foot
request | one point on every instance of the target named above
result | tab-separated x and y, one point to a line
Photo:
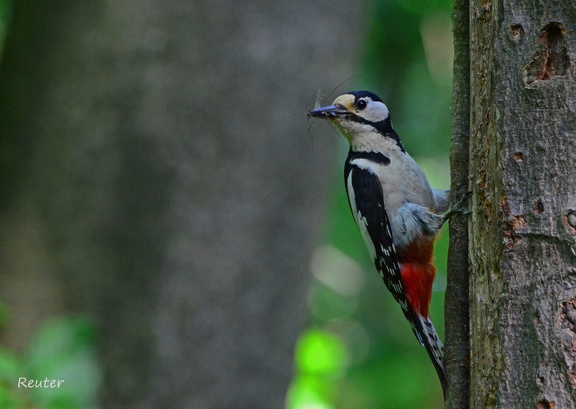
458	208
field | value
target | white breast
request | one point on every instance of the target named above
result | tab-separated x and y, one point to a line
403	181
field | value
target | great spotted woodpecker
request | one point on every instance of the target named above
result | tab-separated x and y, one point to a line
395	209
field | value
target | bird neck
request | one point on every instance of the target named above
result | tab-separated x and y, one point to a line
372	141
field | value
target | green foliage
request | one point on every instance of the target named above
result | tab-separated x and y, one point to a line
425	7
10	370
368	355
407	61
5	10
61	349
320	359
320	353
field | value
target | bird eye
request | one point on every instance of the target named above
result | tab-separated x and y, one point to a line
361	104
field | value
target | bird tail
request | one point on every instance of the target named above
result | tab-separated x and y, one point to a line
428	337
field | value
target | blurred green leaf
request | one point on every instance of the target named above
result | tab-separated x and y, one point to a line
310	392
320	353
8	399
64	350
10	366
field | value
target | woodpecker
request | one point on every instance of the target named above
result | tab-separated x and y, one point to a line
396	210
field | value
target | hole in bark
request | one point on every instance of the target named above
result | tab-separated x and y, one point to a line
546	404
538	206
571	218
518	156
516	32
552	59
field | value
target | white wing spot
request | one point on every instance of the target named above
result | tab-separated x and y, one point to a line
388	232
403	305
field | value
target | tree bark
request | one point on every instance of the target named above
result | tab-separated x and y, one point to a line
457	358
522	239
159	153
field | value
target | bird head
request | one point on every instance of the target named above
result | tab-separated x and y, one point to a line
356	112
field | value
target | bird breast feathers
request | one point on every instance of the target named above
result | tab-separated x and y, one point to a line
403	181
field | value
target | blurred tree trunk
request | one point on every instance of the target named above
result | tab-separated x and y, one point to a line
523	226
158	175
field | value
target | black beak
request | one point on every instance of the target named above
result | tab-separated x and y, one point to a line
331	111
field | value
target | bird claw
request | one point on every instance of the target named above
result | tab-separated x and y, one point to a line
458	208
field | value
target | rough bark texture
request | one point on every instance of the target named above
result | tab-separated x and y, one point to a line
159	176
457	359
523	236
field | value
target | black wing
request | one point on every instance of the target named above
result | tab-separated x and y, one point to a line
366	201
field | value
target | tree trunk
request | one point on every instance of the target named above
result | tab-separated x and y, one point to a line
160	178
457	358
523	226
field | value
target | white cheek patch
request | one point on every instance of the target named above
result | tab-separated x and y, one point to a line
376	111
